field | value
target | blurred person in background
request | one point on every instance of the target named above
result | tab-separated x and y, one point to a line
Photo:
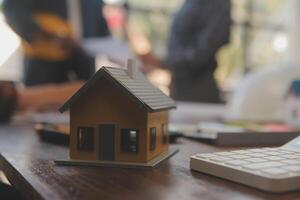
51	32
55	64
199	30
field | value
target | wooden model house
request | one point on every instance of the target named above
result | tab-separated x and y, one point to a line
118	116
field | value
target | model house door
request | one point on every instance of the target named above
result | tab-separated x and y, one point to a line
107	142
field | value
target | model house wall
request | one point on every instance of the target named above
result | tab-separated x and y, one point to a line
105	103
159	122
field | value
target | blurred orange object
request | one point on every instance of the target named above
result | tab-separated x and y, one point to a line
278	127
51	48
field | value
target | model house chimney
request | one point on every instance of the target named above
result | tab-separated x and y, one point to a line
131	68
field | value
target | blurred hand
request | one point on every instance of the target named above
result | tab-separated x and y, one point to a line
161	78
69	43
8	100
64	41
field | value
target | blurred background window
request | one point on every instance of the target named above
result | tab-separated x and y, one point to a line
10	57
259	35
259	38
262	34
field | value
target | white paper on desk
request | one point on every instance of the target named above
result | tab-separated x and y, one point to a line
51	118
210	130
193	113
215	127
110	47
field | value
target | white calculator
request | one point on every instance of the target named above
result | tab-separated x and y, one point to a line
268	169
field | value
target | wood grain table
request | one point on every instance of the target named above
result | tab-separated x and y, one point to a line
28	164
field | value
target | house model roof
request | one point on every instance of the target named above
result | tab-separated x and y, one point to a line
137	86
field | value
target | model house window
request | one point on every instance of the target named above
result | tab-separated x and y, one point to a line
164	133
85	139
129	140
152	138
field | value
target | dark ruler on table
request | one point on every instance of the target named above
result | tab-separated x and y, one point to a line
28	164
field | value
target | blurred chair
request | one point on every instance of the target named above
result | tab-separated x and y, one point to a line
260	96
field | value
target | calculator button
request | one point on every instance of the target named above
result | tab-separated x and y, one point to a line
255	166
289	151
237	162
274	158
290	156
283	152
256	160
224	153
291	162
275	171
273	153
220	159
293	168
237	156
242	152
258	155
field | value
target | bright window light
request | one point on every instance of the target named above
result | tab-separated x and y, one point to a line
8	39
280	43
112	1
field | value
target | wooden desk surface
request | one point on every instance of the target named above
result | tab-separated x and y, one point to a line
28	163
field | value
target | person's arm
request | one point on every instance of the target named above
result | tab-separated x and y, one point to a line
200	30
19	15
39	97
102	26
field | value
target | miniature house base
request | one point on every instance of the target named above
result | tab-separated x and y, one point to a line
150	164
